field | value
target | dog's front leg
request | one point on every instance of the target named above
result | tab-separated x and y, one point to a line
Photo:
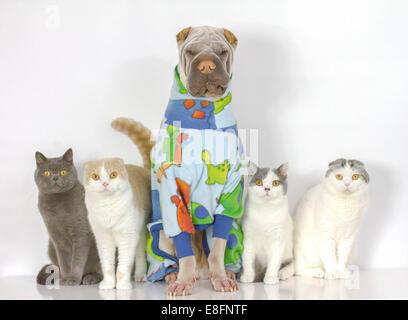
218	276
184	284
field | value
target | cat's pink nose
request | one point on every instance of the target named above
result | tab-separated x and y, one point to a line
347	184
105	184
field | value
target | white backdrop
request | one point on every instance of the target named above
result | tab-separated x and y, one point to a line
319	79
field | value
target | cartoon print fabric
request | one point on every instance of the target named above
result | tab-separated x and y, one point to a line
195	175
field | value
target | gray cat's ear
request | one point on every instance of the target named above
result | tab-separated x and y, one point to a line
40	158
252	168
283	170
338	163
356	163
68	156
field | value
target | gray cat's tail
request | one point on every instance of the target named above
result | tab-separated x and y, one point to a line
139	134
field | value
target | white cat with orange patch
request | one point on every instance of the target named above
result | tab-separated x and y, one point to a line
118	200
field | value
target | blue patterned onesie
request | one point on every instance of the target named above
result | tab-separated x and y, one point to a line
196	179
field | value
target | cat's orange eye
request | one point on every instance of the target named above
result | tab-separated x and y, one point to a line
355	176
63	172
95	176
339	177
113	175
276	183
258	182
47	173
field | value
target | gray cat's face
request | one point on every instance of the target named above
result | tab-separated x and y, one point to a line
55	175
268	184
347	176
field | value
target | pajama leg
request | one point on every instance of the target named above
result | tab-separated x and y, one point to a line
222	226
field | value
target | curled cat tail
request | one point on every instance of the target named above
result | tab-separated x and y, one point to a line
139	134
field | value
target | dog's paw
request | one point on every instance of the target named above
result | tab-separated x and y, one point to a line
223	284
270	279
231	275
171	278
180	289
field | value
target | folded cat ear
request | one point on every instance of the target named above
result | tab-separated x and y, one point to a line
68	156
338	163
356	163
40	158
283	170
252	168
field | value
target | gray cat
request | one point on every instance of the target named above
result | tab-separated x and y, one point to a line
61	202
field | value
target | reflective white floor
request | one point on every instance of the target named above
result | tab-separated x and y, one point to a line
379	284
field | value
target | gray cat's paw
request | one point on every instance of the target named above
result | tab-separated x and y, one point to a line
91	278
70	281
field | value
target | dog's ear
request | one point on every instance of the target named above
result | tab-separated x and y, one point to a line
183	34
231	38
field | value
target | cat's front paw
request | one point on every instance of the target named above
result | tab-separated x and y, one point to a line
271	279
344	274
71	281
107	284
286	272
247	277
124	285
140	277
331	275
91	278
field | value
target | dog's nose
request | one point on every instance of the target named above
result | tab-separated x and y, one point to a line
206	66
105	184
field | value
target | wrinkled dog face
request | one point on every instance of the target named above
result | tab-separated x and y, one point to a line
206	55
55	175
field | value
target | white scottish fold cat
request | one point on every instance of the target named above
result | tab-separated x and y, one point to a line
267	227
118	200
327	221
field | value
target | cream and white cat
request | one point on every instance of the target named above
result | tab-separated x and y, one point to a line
327	221
118	202
267	227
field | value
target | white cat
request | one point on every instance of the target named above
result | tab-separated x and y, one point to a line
327	221
118	200
267	227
